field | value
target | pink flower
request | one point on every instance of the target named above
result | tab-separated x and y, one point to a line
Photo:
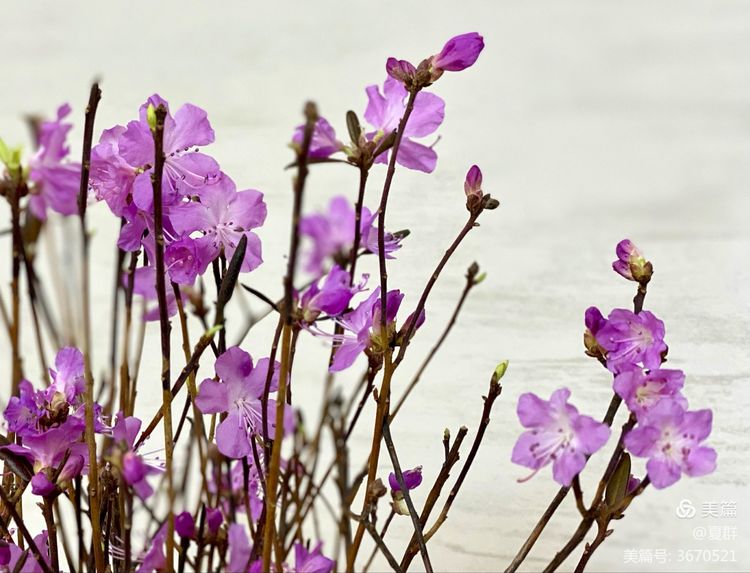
314	561
641	390
56	183
556	434
238	393
332	235
632	340
135	468
223	215
332	298
324	142
384	113
670	437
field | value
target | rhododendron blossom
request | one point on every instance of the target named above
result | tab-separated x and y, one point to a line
557	434
671	437
384	111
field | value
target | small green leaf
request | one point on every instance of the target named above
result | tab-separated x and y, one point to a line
617	488
10	156
353	125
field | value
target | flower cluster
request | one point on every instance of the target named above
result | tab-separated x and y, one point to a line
631	346
205	216
51	424
386	107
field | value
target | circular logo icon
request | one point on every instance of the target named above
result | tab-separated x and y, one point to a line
685	510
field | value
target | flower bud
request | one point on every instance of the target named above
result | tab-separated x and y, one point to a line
401	70
41	485
459	53
500	371
473	183
184	524
412	479
473	190
594	322
631	264
214	519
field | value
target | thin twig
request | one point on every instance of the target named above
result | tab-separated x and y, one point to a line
407	496
93	488
385	387
493	393
165	327
311	117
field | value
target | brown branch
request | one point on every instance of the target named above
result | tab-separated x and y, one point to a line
93	488
311	117
165	326
385	388
418	533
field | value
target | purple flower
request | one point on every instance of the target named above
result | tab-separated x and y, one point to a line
332	234
185	260
46	451
239	394
459	53
630	262
633	483
145	286
332	298
384	113
185	170
223	486
632	340
323	143
240	549
24	411
154	559
67	377
111	176
641	390
56	184
214	519
184	524
412	479
362	329
223	215
670	437
556	434
311	561
135	468
10	555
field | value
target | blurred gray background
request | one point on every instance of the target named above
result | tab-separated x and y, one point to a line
592	121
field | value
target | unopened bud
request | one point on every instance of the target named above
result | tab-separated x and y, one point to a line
500	371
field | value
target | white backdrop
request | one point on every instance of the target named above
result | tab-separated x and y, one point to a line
592	121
